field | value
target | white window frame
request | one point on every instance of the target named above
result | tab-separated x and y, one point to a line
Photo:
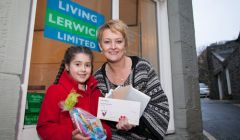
165	57
27	132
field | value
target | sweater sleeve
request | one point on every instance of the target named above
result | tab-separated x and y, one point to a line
48	126
156	114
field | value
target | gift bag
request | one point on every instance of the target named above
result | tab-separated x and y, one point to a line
87	124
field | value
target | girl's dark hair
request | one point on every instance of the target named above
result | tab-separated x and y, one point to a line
68	57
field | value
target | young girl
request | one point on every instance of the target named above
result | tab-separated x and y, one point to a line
74	74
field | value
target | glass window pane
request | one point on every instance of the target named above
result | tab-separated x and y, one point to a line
47	54
149	32
129	14
140	16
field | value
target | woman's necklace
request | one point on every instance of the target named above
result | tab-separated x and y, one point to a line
117	79
122	75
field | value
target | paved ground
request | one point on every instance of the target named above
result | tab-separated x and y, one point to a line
221	119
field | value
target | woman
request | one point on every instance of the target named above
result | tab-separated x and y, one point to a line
121	69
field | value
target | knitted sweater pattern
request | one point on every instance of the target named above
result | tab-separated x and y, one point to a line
154	121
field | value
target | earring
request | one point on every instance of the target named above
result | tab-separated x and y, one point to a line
100	48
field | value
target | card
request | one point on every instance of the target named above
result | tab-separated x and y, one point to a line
112	109
131	94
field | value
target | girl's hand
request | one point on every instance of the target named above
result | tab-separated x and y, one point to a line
123	124
76	135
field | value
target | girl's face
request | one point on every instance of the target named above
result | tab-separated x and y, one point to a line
113	45
80	68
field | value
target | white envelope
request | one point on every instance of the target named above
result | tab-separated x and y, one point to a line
112	109
131	94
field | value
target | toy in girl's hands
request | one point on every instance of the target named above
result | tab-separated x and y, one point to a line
87	124
70	101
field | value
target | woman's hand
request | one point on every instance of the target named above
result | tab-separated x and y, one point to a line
123	124
76	135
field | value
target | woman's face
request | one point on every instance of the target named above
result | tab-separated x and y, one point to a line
113	45
80	68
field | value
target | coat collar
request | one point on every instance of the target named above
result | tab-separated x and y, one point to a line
69	83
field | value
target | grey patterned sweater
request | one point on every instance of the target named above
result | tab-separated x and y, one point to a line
154	121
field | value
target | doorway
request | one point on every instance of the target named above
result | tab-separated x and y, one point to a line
46	54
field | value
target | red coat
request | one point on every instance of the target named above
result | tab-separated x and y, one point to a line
53	123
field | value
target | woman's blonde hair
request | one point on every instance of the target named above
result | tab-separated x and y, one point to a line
114	25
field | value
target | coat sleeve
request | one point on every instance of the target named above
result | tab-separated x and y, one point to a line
107	129
48	126
156	114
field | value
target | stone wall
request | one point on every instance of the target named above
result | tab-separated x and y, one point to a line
188	121
234	72
218	68
13	32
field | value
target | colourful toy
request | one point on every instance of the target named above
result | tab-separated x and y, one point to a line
70	101
85	122
88	124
